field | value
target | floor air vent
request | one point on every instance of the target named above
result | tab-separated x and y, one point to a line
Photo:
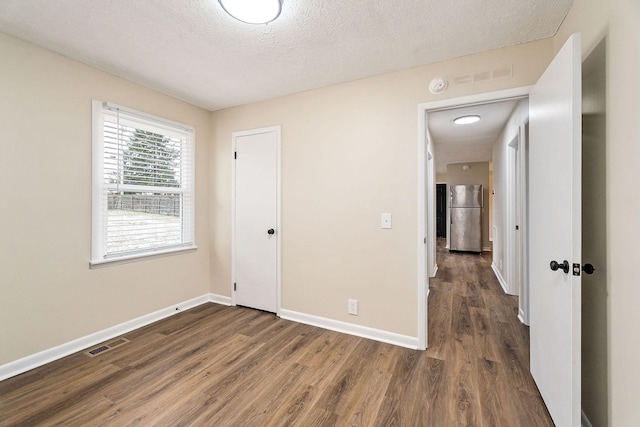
106	347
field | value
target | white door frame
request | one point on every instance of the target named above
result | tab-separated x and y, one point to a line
278	234
516	243
511	216
523	221
428	179
432	266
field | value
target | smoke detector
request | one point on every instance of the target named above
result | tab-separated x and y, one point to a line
438	85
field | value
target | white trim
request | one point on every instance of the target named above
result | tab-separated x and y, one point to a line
510	212
423	110
422	232
521	317
97	166
102	112
32	361
155	120
523	297
233	218
486	249
234	135
220	299
433	274
278	218
499	277
35	360
585	421
138	257
480	98
351	329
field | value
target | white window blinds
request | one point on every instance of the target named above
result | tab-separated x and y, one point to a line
142	184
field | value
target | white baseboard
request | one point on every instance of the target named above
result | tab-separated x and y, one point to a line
486	249
521	316
351	329
585	421
501	280
435	270
220	299
27	363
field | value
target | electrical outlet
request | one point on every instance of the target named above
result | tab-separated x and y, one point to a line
353	307
385	220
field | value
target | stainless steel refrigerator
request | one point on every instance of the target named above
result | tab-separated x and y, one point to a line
466	218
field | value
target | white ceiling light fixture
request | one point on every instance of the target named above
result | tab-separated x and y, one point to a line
465	120
252	11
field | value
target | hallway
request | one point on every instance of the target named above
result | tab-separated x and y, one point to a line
474	329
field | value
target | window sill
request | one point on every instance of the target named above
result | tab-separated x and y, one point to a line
139	257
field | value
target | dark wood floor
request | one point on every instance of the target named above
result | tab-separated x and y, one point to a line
232	366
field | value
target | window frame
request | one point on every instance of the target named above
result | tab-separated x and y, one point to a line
99	204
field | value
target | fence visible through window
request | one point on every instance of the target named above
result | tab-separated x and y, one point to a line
137	221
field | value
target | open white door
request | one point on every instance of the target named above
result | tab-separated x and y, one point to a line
256	219
555	153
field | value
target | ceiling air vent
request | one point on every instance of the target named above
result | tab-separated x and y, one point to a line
106	347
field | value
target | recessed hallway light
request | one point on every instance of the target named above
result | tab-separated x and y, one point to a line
252	11
465	120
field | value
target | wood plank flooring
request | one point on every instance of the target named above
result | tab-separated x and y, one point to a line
232	366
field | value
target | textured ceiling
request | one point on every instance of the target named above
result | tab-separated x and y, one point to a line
467	143
192	50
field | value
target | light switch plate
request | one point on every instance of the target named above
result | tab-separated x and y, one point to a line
385	220
353	307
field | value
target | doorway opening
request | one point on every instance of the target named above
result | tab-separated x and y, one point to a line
428	177
441	210
595	359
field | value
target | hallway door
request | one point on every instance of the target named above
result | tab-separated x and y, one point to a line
555	148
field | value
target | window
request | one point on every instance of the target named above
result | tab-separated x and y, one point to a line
143	193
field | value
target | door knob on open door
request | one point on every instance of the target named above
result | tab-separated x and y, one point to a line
564	266
271	231
588	269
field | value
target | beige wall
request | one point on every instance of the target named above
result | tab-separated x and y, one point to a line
441	178
619	20
49	296
349	153
478	173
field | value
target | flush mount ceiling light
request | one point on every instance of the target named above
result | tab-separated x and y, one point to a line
465	120
252	11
